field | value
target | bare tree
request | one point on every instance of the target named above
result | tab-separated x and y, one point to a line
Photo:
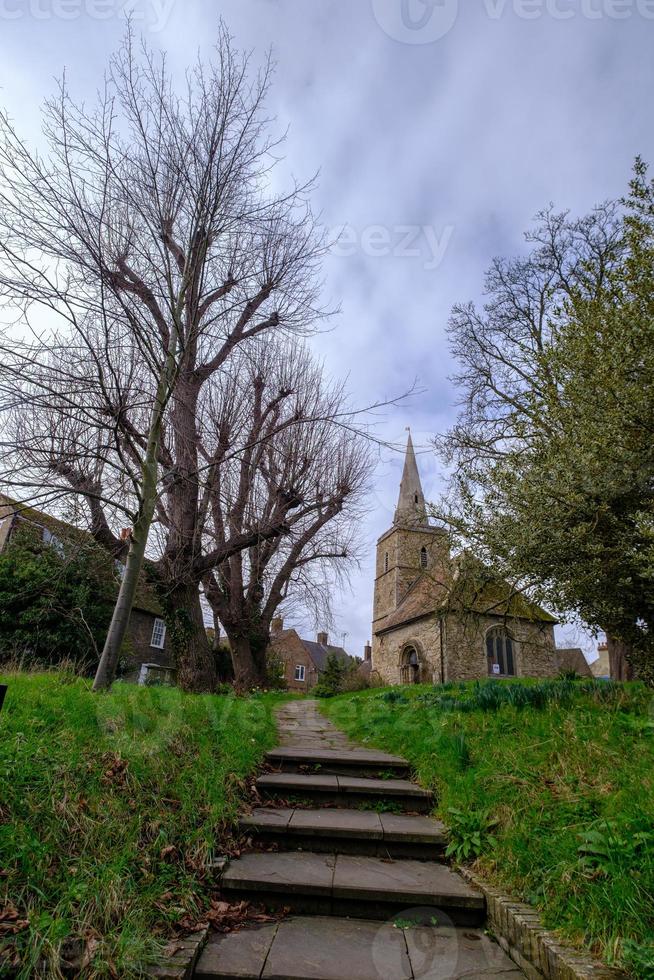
135	257
299	443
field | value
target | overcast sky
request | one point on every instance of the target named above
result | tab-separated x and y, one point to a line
438	130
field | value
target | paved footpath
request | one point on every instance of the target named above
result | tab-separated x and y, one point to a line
358	864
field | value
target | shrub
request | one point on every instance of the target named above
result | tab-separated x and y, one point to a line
55	603
332	678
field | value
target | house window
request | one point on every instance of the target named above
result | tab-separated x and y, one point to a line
386	562
423	558
158	634
299	672
499	652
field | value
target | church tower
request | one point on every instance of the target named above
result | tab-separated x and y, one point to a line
410	549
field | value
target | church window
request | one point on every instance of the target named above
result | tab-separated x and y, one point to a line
499	652
424	561
410	666
415	498
386	562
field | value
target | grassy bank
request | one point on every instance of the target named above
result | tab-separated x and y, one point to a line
109	807
549	786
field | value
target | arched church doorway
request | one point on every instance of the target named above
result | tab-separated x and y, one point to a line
410	666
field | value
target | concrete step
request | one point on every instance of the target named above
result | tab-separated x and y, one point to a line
347	832
353	762
343	884
318	948
346	791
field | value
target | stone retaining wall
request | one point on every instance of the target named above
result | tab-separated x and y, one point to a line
539	954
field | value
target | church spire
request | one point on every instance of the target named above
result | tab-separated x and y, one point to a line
411	502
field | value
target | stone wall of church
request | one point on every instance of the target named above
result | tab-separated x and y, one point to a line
424	635
465	647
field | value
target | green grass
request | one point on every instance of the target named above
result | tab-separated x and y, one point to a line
110	806
548	787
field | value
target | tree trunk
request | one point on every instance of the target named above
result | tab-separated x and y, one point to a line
106	670
619	663
149	471
249	662
194	658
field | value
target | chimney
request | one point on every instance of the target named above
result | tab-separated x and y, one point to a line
323	638
276	625
367	652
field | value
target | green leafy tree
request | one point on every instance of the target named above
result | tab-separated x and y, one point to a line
332	678
554	449
55	602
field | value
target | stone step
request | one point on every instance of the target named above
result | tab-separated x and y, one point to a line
318	948
347	832
343	884
352	762
346	790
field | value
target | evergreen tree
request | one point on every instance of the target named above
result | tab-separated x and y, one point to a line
332	678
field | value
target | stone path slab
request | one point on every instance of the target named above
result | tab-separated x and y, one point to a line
324	948
379	884
392	827
292	758
401	792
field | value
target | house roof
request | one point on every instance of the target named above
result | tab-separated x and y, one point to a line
144	600
319	652
572	658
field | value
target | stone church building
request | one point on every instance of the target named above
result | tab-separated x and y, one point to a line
441	618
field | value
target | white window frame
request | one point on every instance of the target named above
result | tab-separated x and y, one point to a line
51	539
158	634
300	672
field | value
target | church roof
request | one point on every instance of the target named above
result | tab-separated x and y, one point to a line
411	507
472	588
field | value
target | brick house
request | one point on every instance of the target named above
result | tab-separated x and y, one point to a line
304	660
146	640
